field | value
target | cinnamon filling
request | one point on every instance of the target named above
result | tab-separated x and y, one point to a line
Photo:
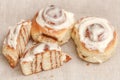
84	56
46	47
53	15
95	32
47	36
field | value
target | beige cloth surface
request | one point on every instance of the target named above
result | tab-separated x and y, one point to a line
12	11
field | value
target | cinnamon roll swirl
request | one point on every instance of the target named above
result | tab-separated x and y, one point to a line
42	57
95	39
16	41
52	24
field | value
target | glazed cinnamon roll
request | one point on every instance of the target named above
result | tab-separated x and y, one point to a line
95	39
42	57
16	41
52	24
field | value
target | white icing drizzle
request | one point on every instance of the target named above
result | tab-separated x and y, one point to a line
29	45
13	34
28	58
92	42
95	32
39	49
53	15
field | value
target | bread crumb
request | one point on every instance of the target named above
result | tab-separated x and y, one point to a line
51	76
88	64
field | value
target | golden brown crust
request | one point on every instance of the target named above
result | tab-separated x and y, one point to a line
12	60
87	54
75	32
43	61
11	54
41	34
110	45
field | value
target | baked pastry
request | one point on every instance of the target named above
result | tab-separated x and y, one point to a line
42	57
16	41
95	39
52	24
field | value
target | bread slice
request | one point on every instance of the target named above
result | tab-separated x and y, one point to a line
16	41
49	58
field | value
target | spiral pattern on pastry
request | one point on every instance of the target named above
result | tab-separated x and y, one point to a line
53	15
55	18
95	33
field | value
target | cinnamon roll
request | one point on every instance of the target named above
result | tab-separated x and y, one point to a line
16	41
42	57
52	24
95	39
